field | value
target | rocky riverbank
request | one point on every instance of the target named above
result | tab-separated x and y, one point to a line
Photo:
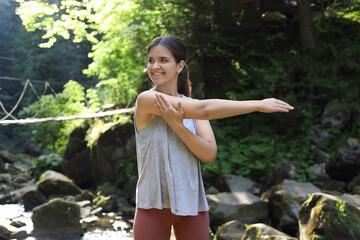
239	208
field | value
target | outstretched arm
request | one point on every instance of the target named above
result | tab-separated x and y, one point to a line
202	144
210	108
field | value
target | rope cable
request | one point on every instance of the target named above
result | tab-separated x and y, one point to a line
6	112
34	90
18	102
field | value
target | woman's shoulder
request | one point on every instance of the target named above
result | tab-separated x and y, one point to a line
145	96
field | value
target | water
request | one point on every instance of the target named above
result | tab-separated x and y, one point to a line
16	212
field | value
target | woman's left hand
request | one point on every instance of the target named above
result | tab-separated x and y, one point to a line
172	116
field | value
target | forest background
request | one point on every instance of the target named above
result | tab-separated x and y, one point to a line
93	55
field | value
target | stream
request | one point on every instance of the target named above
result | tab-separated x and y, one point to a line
16	212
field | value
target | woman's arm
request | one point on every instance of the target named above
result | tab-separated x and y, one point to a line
202	145
210	108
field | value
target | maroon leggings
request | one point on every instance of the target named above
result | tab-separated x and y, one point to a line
155	224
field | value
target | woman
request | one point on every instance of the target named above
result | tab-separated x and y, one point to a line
173	134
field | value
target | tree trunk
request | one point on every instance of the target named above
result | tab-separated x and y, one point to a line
306	24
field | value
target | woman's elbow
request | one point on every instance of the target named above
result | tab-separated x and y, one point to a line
210	159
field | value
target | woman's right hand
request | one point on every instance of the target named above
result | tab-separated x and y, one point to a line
172	116
270	105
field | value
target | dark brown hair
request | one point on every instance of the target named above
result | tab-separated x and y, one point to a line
178	49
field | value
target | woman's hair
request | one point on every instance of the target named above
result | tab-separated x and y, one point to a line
178	49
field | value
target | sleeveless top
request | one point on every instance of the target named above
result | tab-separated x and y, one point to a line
169	173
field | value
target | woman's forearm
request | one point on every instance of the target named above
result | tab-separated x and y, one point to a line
219	108
201	148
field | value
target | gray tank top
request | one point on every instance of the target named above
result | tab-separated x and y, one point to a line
169	174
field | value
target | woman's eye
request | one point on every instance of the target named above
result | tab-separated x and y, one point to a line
163	60
150	60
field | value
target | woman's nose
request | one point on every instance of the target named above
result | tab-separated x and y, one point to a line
156	65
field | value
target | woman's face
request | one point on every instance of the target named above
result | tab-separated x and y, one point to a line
162	67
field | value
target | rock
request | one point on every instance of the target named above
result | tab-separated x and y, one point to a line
318	172
5	178
242	206
352	199
32	198
129	189
21	178
84	195
282	171
230	230
57	219
212	190
260	231
353	183
77	159
52	183
17	224
4	232
111	151
14	194
285	200
320	155
209	177
6	158
22	234
336	113
320	137
112	154
333	186
232	183
344	165
13	169
326	217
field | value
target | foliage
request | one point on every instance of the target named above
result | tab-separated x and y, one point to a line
241	57
255	154
71	101
119	32
51	161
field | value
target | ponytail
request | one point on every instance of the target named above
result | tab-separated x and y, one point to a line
183	82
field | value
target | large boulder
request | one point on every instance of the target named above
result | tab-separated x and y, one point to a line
285	200
232	183
52	183
111	151
76	163
344	165
326	217
242	206
260	231
57	219
230	230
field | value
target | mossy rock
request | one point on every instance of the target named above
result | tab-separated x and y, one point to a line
57	219
53	183
326	217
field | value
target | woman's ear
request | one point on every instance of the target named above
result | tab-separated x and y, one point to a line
180	66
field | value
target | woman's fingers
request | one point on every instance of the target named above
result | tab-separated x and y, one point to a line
275	105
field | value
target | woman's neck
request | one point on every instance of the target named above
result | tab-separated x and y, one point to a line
171	92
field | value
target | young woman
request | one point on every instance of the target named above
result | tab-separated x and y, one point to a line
173	134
